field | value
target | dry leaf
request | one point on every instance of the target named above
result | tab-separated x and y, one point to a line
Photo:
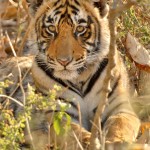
3	5
10	13
9	9
138	53
145	126
5	48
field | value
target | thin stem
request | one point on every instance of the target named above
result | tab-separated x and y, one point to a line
14	100
22	90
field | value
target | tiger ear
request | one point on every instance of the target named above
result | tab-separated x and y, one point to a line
102	6
33	5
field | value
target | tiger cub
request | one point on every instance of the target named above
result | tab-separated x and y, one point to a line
72	40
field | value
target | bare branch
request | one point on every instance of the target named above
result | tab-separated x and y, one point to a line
115	11
25	38
19	70
14	100
22	90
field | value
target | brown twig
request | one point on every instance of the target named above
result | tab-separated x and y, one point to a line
117	10
26	73
114	12
80	123
14	100
22	90
25	38
77	140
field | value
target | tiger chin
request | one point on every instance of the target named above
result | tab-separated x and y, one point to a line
72	40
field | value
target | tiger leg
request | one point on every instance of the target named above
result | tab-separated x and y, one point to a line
122	127
75	138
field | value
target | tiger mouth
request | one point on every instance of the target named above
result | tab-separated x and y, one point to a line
66	74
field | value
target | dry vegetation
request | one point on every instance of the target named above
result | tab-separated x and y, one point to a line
14	21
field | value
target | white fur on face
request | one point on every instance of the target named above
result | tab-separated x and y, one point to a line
66	74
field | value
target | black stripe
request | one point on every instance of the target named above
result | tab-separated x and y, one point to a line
46	33
77	2
99	36
114	87
85	36
90	21
43	21
97	47
37	26
74	8
74	12
80	70
57	12
94	110
94	20
62	17
57	8
51	111
69	18
24	145
79	60
41	43
50	20
53	33
84	82
56	3
90	44
95	77
75	87
49	72
82	21
76	117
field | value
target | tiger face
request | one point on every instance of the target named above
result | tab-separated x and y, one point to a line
71	35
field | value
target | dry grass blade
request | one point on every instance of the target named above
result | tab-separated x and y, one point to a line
24	39
22	90
78	142
16	101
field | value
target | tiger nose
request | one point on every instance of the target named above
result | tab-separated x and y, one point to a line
64	61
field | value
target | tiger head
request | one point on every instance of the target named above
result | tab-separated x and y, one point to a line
70	35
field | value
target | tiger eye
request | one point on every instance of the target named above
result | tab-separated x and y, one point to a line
52	28
80	28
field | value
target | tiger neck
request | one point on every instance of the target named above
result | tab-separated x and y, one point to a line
43	78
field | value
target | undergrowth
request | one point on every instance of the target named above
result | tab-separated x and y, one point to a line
136	20
12	127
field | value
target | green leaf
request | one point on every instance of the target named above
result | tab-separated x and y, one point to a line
57	125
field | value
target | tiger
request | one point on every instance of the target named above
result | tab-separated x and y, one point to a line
71	39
